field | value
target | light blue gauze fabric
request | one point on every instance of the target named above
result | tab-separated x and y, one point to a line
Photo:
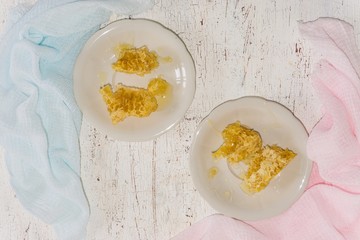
39	118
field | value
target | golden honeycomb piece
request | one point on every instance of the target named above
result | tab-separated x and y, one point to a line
242	144
138	61
239	143
158	86
128	101
265	165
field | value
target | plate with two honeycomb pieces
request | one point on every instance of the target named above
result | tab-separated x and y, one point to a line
222	183
98	67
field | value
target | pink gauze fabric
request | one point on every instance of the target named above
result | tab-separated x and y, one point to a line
330	207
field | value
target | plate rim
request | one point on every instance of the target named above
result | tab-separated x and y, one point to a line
202	188
110	27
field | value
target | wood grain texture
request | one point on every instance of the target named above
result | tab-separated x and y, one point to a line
144	190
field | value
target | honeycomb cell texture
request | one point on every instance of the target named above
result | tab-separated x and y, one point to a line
128	101
239	143
138	61
263	163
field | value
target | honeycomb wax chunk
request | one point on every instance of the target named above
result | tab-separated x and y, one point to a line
139	61
239	143
158	86
128	101
265	165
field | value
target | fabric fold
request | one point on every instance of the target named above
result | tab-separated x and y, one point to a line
330	207
39	119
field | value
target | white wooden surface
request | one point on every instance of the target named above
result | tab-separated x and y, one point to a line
240	47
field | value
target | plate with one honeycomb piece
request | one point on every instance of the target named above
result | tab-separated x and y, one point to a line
134	79
248	158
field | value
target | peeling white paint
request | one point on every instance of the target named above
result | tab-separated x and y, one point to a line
144	190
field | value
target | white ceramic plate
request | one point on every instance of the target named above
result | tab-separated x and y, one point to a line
277	125
93	70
